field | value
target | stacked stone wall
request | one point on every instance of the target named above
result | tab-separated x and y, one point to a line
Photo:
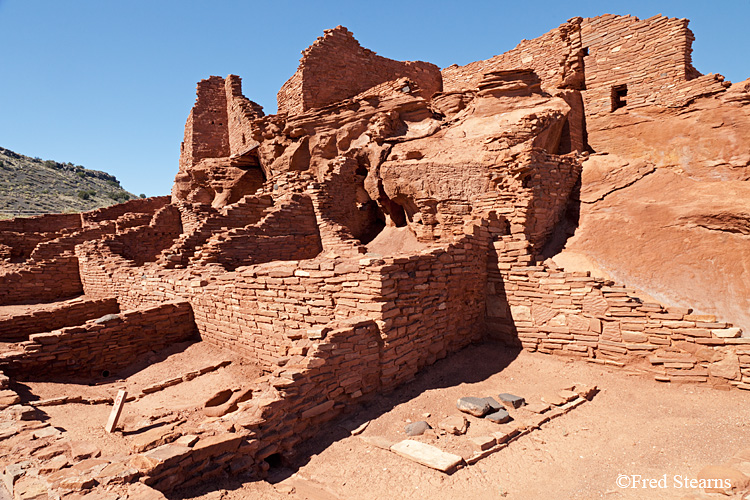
335	67
109	343
557	312
113	212
20	245
542	54
145	243
41	282
429	304
288	232
50	223
650	57
200	225
207	128
18	327
240	114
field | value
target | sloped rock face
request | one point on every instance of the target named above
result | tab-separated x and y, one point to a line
667	210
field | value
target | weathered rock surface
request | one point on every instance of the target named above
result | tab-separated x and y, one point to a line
388	216
673	188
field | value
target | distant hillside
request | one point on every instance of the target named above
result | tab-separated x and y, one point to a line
32	186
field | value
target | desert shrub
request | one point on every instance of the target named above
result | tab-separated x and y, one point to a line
119	196
86	194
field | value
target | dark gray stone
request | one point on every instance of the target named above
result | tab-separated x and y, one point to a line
494	405
499	417
477	407
416	428
511	401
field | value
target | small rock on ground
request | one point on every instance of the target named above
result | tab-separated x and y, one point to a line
417	428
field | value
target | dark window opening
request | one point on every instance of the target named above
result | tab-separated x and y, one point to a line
619	96
585	51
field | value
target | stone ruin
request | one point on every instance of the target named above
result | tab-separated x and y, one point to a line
390	214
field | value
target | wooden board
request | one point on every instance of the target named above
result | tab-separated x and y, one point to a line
114	416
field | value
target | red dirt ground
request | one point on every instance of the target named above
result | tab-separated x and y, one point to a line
632	426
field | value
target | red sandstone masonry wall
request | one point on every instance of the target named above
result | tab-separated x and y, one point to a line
240	113
144	243
529	198
50	223
41	246
288	232
433	300
304	322
198	230
75	312
651	56
207	129
431	304
50	249
135	206
43	282
335	67
553	311
113	344
542	54
286	408
22	244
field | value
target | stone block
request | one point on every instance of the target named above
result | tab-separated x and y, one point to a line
482	443
511	400
500	416
427	455
477	407
455	424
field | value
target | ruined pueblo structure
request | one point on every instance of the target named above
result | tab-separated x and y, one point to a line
389	215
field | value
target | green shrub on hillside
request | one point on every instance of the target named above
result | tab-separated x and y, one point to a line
86	194
119	196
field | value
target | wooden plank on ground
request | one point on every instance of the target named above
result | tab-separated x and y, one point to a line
114	416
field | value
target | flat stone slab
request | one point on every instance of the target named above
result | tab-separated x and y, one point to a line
427	455
537	407
494	405
568	395
378	442
477	407
500	416
455	424
483	443
511	400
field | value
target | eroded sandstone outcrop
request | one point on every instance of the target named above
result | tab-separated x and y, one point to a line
387	218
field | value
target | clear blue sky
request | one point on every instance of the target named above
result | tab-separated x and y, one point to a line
108	84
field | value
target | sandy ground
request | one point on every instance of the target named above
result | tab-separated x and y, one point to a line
179	403
394	240
632	426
